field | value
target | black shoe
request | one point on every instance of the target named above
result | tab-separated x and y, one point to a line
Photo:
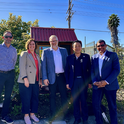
77	122
65	118
7	120
51	119
85	122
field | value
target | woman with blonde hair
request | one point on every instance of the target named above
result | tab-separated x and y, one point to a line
29	81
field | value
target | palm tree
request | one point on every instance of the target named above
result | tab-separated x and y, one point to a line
113	23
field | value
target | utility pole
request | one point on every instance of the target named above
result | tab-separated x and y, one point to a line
70	13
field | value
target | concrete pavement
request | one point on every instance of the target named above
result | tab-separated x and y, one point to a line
91	120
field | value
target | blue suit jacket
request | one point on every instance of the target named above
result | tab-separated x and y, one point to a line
69	70
110	70
48	66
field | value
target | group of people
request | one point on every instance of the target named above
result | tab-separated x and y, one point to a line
60	72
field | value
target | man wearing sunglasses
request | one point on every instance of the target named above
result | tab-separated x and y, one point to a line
104	71
8	57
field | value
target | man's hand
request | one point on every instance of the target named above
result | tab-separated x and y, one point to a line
67	86
97	83
40	84
26	82
103	84
46	82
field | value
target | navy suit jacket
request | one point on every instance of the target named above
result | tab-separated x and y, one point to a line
110	70
69	70
48	65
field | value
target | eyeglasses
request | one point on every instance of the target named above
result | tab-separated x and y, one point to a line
101	45
8	37
54	41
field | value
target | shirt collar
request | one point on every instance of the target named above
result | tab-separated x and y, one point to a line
54	50
31	53
5	45
78	57
102	54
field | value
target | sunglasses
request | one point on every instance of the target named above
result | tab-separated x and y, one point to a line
101	45
8	37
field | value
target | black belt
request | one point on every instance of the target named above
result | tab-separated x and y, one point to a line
58	74
78	77
6	72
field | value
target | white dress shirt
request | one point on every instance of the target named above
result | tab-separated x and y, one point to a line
58	61
101	58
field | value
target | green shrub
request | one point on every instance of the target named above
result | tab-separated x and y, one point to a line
16	110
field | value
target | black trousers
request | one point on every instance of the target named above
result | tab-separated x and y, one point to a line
79	95
60	85
7	80
29	97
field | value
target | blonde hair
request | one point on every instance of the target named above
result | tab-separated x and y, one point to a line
28	42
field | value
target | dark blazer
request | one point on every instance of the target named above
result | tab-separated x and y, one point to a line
48	65
110	70
69	70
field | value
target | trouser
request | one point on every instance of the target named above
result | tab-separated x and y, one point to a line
29	97
111	99
7	80
60	84
79	95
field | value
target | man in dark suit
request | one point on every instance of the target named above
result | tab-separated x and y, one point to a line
104	71
77	74
53	67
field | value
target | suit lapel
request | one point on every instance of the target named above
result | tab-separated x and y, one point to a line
52	58
83	59
105	59
72	62
32	59
38	61
61	54
97	62
97	59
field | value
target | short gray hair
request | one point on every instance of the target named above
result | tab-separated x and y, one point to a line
52	37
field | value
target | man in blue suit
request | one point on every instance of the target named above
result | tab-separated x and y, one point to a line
104	71
53	67
78	76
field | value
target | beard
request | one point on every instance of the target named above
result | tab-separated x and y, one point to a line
8	41
55	46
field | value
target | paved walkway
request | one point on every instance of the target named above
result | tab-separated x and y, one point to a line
91	120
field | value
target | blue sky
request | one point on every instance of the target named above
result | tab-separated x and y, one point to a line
89	19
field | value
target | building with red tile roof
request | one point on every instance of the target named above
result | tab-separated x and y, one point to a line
65	36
